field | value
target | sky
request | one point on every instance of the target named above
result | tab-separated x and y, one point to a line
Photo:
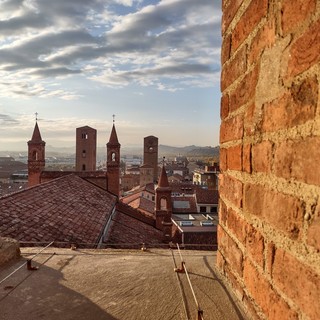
154	64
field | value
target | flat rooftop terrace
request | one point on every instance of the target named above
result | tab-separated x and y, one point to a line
114	284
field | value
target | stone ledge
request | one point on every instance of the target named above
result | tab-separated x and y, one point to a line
9	249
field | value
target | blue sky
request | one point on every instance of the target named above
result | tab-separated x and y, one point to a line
155	64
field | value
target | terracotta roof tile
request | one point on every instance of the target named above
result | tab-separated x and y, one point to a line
64	209
206	196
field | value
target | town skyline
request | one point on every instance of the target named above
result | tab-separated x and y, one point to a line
155	64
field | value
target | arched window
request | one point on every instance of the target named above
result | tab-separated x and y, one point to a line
113	156
163	204
35	155
83	167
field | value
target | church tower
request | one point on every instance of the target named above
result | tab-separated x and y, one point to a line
36	157
86	149
164	205
113	163
150	154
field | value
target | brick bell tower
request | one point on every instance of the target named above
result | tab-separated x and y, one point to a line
36	157
150	154
164	205
113	162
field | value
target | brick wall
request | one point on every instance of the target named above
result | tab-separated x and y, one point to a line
269	232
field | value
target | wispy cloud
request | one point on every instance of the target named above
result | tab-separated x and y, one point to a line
114	43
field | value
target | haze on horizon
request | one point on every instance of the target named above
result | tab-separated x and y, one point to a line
153	63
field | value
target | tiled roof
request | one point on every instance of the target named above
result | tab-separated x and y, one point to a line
66	209
131	227
206	196
36	136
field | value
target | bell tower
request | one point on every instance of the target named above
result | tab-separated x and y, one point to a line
36	156
164	205
150	154
113	162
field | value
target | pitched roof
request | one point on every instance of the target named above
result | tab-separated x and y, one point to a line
184	204
66	209
163	181
36	136
131	227
206	196
113	137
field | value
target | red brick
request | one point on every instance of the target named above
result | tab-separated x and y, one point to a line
300	283
245	91
256	10
223	159
231	129
230	251
255	244
229	12
304	52
293	13
297	159
226	49
234	158
223	212
282	211
236	286
231	189
250	125
224	110
236	225
271	249
262	157
265	38
246	158
232	70
292	108
313	238
272	305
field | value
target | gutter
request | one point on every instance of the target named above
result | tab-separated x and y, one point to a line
107	226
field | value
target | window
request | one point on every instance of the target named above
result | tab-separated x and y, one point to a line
203	209
163	204
213	209
83	153
84	136
35	155
113	156
83	167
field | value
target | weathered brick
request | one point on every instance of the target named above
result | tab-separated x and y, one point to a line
304	52
234	158
250	120
271	249
264	38
245	91
232	70
293	13
231	189
231	129
262	157
236	225
246	158
296	159
293	108
255	244
226	48
224	109
230	250
256	10
272	305
220	261
282	211
313	238
223	159
237	288
229	12
298	281
223	212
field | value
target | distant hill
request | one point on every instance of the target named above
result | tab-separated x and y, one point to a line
188	151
